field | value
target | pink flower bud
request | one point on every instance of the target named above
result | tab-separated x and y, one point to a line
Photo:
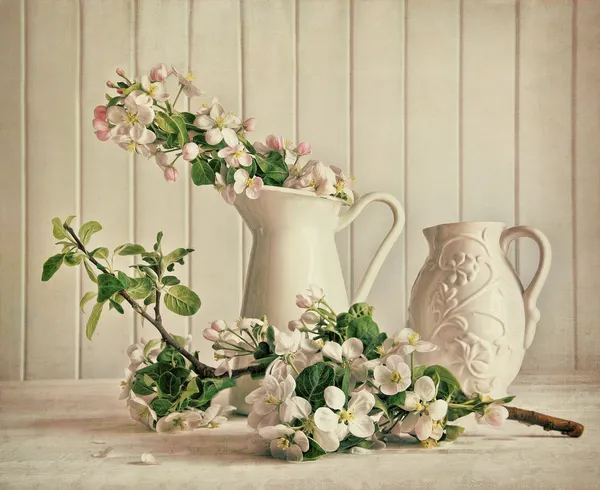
100	112
110	84
210	334
310	317
100	125
190	151
274	142
495	415
294	324
250	124
120	72
120	91
171	174
159	72
303	301
303	149
218	325
103	135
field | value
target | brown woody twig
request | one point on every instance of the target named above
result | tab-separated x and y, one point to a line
529	417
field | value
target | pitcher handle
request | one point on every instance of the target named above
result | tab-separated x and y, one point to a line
531	294
386	245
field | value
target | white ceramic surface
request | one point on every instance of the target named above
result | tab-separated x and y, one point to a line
468	300
293	234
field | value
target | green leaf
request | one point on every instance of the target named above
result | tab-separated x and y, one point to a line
140	288
230	176
262	351
73	258
87	230
312	381
366	330
183	136
154	370
107	286
100	253
380	404
448	384
397	400
202	173
314	451
161	406
112	100
177	255
130	249
124	279
170	281
116	306
171	356
92	322
179	339
90	272
506	399
344	320
361	309
69	220
169	383
159	237
135	86
274	167
271	337
51	266
190	389
212	386
86	298
182	300
151	344
452	432
58	230
346	380
164	122
139	387
150	299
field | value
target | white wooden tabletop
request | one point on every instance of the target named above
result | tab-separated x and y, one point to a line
76	434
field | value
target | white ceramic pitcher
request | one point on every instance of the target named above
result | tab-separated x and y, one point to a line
468	300
293	246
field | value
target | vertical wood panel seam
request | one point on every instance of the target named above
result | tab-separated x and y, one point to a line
295	36
405	148
78	174
242	106
188	182
23	184
133	35
460	111
350	263
517	198
574	67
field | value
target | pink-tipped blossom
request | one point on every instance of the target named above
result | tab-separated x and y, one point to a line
171	174
100	112
243	182
110	84
303	149
226	190
120	72
303	301
219	125
494	415
274	142
189	88
159	72
190	151
218	325
249	124
210	334
294	325
235	155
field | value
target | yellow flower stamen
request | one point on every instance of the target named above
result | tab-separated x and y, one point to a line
131	146
130	118
214	425
189	77
152	90
220	122
271	400
283	443
249	182
413	338
396	377
429	443
346	416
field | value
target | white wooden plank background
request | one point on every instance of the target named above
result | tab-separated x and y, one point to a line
463	109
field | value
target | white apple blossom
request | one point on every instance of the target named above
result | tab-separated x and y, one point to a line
355	419
310	317
236	155
126	384
159	72
226	190
138	139
137	111
393	377
154	89
219	126
140	411
190	151
273	402
148	458
179	421
189	88
286	443
323	180
342	183
410	341
215	416
494	415
205	109
287	343
424	413
350	350
243	181
300	176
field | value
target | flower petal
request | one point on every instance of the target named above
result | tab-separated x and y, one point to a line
335	398
382	374
424	427
275	431
352	348
361	403
294	454
287	387
438	409
213	136
229	136
390	388
332	350
409	423
276	451
115	114
425	388
423	346
362	426
301	440
327	440
325	419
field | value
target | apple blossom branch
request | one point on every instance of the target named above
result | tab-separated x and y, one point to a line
201	369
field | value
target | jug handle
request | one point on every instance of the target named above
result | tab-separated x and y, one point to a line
385	247
531	294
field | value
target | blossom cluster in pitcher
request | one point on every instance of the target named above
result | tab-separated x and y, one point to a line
142	118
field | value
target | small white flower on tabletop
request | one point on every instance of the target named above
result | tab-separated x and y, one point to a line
148	458
179	421
392	377
355	419
494	415
236	155
286	443
140	411
424	413
410	341
215	416
243	181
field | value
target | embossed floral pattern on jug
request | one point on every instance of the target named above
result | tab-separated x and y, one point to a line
468	300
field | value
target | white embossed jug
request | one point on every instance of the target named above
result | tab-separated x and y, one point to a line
293	246
468	300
